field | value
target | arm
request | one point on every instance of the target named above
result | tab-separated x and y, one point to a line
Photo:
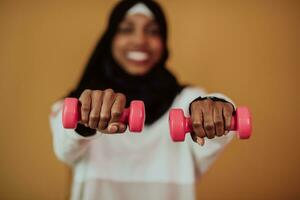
205	155
69	146
100	110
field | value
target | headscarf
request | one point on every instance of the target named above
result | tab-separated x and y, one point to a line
157	88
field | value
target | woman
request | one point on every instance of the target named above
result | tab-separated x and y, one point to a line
129	64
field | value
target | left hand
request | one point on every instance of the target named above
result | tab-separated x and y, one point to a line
209	119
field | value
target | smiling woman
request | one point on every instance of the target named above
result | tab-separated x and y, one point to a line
129	64
130	58
137	46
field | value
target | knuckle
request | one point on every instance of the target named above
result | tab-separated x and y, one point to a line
200	134
196	104
116	114
210	136
207	106
228	107
218	105
196	124
121	96
227	126
109	91
219	122
101	126
219	133
94	117
208	101
97	92
104	118
193	105
219	130
86	92
208	126
85	108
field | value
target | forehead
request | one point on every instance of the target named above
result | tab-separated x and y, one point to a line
138	19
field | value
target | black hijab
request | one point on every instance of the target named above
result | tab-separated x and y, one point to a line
157	88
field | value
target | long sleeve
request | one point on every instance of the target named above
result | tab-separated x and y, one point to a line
69	146
204	156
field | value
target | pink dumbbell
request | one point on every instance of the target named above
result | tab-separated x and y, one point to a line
134	116
180	125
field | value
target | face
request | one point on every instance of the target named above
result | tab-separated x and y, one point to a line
137	45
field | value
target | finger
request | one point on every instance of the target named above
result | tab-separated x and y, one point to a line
94	117
193	136
85	101
197	139
108	100
197	119
118	107
227	115
116	112
116	127
208	123
200	141
218	118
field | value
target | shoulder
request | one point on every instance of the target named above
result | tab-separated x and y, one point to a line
192	91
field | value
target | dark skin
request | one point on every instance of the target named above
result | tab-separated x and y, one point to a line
102	109
210	119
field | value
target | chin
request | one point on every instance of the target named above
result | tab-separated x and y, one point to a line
138	71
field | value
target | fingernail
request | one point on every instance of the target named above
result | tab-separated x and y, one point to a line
200	141
113	129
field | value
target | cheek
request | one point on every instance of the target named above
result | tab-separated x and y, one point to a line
157	48
118	45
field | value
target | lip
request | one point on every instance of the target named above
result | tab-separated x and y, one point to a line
138	63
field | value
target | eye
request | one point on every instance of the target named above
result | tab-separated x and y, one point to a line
153	30
125	29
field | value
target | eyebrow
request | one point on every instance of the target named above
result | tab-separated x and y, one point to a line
130	23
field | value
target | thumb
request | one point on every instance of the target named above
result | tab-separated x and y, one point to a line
200	141
116	127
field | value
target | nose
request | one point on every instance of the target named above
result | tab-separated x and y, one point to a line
140	38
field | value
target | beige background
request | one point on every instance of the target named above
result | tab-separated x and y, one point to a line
248	51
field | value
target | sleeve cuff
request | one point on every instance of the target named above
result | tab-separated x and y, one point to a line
213	98
85	131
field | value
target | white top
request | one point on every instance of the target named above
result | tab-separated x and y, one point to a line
146	165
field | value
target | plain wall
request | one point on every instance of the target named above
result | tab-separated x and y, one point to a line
248	50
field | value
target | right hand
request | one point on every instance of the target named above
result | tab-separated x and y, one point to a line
102	110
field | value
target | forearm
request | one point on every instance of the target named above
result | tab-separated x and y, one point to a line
69	146
205	156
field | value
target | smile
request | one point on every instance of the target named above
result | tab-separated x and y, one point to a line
137	56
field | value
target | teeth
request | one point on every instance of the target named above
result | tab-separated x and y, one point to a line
137	55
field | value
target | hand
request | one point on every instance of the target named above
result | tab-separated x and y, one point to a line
102	110
209	119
